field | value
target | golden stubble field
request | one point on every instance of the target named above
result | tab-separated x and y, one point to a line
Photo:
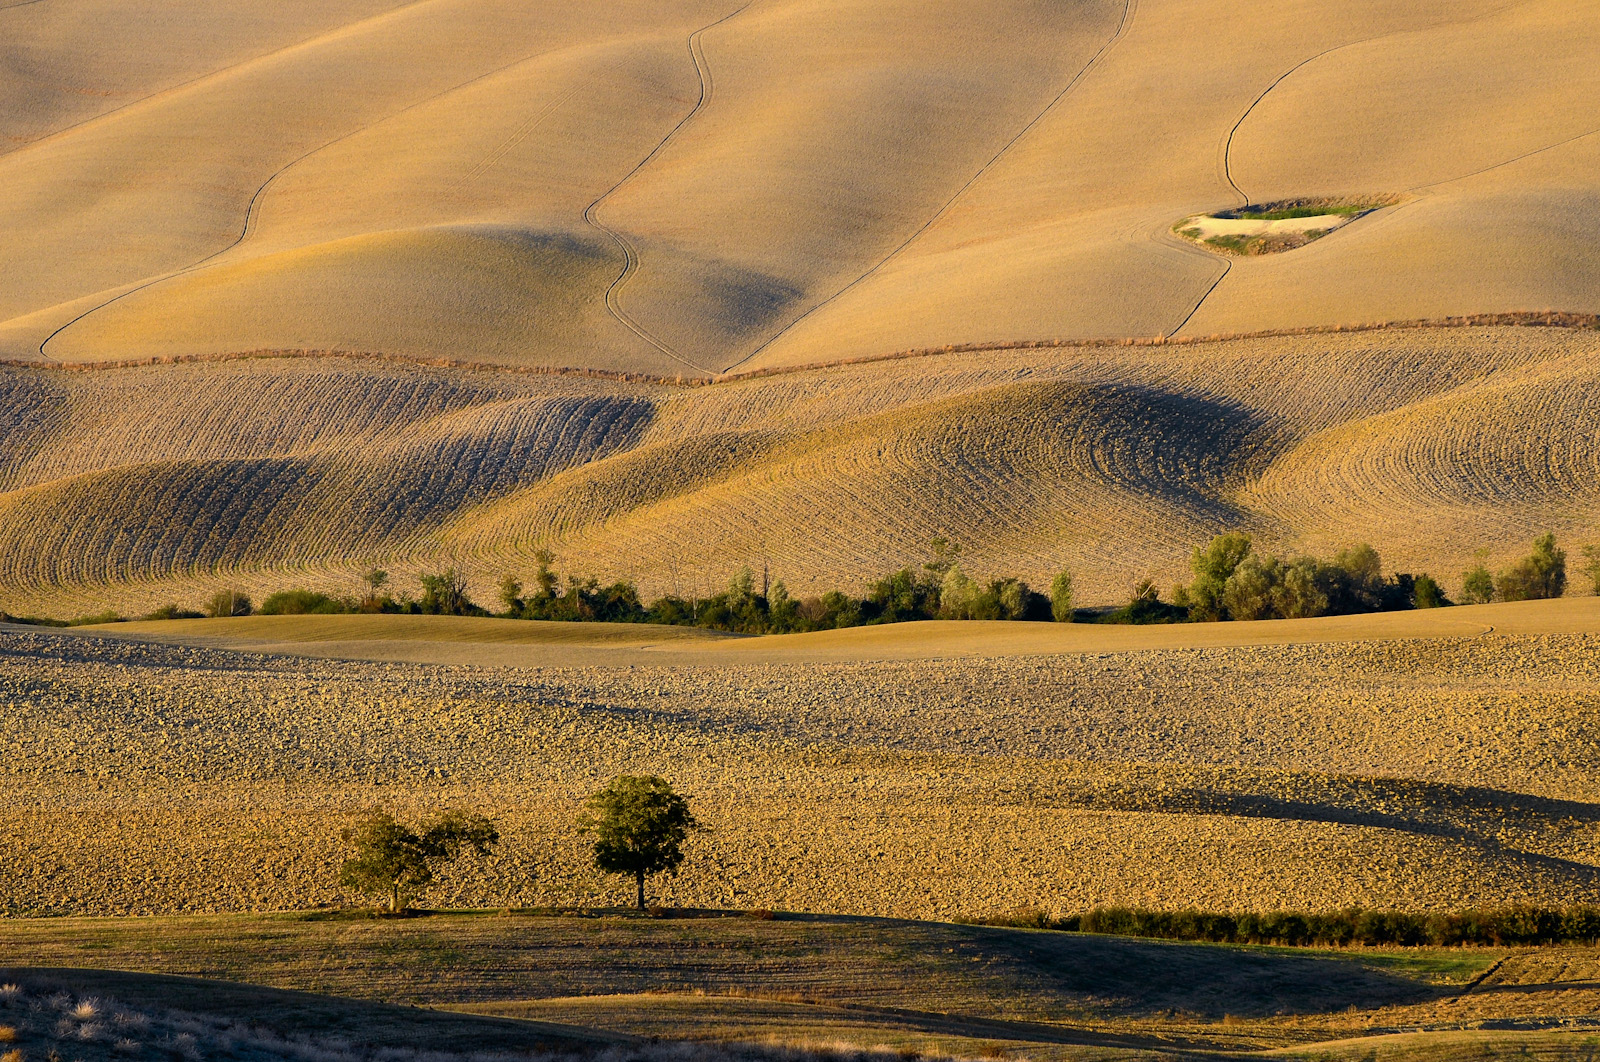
130	488
687	186
1419	773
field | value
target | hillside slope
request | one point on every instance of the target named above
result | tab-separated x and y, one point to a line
131	487
688	186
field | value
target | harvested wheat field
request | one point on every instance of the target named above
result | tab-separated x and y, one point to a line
315	294
684	187
1434	772
121	488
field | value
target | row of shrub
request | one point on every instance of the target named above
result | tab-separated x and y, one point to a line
1231	581
1493	927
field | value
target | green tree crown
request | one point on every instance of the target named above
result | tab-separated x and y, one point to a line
390	859
639	826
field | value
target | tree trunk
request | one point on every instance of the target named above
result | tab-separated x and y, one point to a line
640	877
394	898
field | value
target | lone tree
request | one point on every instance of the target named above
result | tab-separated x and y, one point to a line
390	859
1061	597
639	825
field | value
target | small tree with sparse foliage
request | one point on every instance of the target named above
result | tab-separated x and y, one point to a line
1477	585
445	593
228	603
1539	576
1061	597
1591	567
639	826
392	860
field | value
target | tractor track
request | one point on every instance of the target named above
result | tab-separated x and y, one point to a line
252	212
630	254
1129	9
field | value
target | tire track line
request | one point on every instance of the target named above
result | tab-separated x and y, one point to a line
1129	9
630	254
522	133
1227	145
1227	267
253	209
1446	23
1508	162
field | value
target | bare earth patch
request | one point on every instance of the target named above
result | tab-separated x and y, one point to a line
1272	228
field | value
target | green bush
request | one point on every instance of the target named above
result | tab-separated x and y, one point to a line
1061	609
444	593
1427	593
228	603
1477	586
173	612
303	603
1538	576
1591	567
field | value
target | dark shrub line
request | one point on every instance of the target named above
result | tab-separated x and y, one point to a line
1488	927
1232	581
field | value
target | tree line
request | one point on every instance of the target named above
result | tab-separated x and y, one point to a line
1488	927
639	825
1231	580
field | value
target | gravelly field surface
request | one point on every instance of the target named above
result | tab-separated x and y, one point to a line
1428	773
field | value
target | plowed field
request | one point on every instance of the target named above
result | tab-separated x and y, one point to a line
128	488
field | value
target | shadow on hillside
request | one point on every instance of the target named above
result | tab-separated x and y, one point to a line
1156	978
1477	817
289	1013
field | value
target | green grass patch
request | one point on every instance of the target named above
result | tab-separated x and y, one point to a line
1290	213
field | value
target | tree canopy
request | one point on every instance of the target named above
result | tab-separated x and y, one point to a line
639	826
390	859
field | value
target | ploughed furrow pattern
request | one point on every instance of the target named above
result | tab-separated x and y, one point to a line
1518	442
1030	470
32	408
466	460
250	409
146	522
158	519
593	496
1116	461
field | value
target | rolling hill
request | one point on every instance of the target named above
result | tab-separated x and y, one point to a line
692	186
130	487
448	281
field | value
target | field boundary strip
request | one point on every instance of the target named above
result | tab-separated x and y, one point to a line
1520	319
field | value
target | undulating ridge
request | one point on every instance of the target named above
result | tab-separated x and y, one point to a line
135	486
689	186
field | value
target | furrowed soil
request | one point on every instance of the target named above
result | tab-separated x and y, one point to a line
129	489
1430	773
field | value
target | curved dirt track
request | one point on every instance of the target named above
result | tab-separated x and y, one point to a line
591	213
